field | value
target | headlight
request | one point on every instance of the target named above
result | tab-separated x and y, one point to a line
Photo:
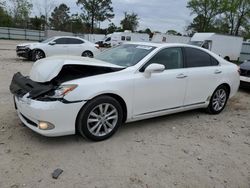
63	90
27	46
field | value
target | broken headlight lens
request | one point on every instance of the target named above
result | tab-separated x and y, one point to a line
63	90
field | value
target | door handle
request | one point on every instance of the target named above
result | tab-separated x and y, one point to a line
181	76
217	71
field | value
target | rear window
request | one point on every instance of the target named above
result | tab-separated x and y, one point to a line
74	41
199	58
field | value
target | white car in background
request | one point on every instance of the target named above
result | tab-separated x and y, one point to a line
135	81
63	45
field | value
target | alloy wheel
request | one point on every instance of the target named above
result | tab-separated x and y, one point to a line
102	119
219	99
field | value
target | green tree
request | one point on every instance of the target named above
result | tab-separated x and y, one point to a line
21	10
148	31
111	28
206	11
130	21
6	19
76	24
173	32
96	11
236	14
37	23
59	19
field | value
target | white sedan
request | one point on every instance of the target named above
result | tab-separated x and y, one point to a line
63	45
127	83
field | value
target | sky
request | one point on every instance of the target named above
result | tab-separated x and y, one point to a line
158	15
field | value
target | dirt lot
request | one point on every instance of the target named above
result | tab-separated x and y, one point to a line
190	149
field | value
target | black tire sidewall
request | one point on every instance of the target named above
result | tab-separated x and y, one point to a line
34	55
210	106
81	123
87	52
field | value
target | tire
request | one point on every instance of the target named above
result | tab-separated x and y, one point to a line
37	54
88	54
218	100
97	126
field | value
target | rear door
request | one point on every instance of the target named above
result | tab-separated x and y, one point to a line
204	75
76	46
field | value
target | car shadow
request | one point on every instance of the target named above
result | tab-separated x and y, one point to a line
244	90
127	128
167	120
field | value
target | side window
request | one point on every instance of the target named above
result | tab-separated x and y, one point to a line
205	45
128	38
214	62
171	58
74	41
108	39
61	41
197	58
122	37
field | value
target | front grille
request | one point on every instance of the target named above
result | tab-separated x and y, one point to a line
21	48
244	72
29	121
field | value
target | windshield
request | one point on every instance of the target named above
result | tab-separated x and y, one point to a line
125	55
196	43
48	40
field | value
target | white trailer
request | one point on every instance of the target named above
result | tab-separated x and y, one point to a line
117	38
226	46
245	51
165	38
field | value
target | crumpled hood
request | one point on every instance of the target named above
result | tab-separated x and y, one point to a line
45	70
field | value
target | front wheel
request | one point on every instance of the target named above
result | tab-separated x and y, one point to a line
88	54
37	54
100	118
218	100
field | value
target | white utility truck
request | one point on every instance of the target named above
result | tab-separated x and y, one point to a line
245	51
226	46
117	38
165	38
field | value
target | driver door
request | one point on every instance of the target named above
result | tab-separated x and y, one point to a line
161	91
59	48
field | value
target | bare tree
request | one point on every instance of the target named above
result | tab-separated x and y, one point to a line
45	8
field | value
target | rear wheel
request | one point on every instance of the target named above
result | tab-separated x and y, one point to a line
218	100
87	54
100	118
37	54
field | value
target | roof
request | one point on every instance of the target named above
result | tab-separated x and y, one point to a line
157	45
201	36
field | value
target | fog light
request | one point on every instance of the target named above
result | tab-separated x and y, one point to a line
45	125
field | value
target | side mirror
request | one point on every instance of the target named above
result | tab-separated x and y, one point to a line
154	68
52	43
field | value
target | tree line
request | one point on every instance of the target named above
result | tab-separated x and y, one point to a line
60	18
220	16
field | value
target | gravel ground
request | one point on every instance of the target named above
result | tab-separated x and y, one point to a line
191	149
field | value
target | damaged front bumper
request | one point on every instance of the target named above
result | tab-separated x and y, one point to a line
60	115
23	52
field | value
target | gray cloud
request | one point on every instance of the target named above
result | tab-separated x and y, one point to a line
158	15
